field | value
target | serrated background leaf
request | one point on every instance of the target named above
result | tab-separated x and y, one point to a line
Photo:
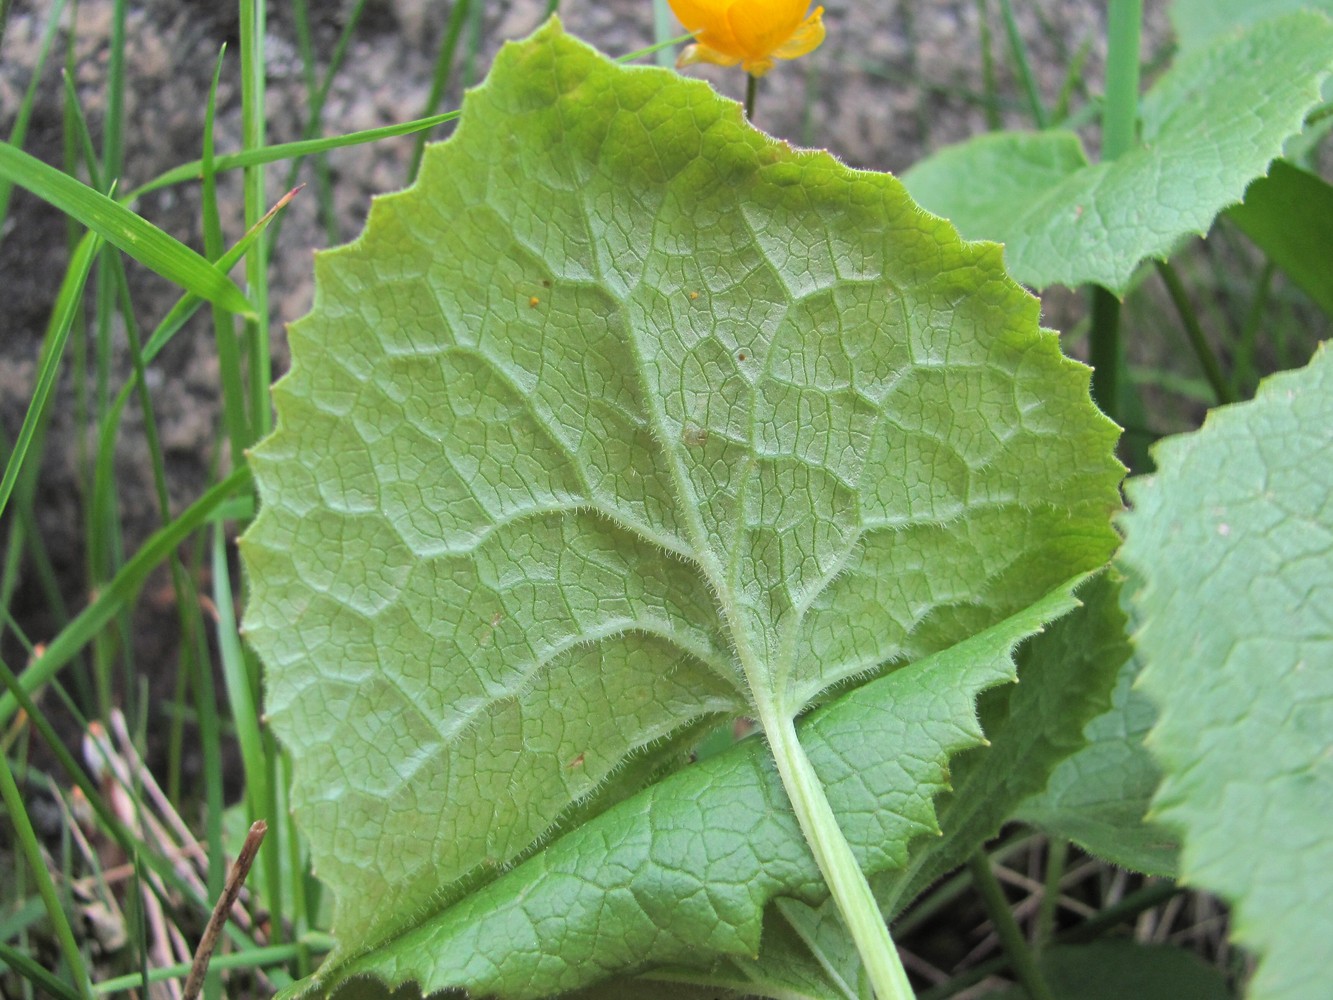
624	417
1065	678
1289	215
1198	22
1099	797
1230	546
1098	222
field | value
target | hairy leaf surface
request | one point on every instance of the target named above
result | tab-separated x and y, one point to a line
681	873
1066	221
1230	545
625	420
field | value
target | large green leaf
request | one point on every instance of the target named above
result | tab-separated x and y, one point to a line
680	874
1230	546
624	420
1066	221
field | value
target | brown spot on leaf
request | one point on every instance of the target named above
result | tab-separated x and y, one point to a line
694	437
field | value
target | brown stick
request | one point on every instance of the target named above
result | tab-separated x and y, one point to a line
235	879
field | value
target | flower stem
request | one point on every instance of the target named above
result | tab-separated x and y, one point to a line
1011	936
1124	29
1212	370
1119	120
751	88
847	883
1057	853
1018	50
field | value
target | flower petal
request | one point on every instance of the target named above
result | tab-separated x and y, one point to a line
700	53
707	21
757	67
805	38
760	26
749	32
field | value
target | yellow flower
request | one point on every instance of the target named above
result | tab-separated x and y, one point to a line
750	32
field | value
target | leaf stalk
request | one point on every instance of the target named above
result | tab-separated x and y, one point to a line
847	883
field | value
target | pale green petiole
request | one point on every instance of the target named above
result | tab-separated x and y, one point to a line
846	882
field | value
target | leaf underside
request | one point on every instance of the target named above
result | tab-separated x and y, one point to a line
624	420
1066	221
1229	546
682	872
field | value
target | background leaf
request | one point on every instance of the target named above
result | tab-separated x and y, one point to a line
625	417
1198	22
1098	222
1099	797
1228	548
1289	215
1115	970
1065	678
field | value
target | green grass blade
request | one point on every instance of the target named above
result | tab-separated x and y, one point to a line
656	47
170	325
662	25
193	170
123	586
67	304
1120	116
187	304
34	973
32	852
444	65
254	16
241	695
988	84
252	958
234	418
113	125
1022	65
19	132
317	94
121	228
